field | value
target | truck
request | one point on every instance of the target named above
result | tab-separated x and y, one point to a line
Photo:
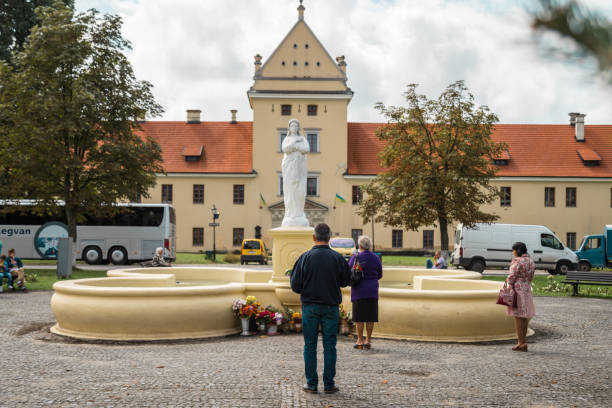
596	251
490	245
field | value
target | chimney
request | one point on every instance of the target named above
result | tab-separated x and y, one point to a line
572	116
580	127
257	62
341	63
300	10
234	121
193	115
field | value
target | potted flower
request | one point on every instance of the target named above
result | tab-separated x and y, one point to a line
263	317
296	317
344	320
276	320
245	310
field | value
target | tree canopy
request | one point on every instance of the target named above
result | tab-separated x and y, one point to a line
17	17
437	158
68	104
590	31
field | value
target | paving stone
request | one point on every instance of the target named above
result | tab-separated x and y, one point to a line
568	364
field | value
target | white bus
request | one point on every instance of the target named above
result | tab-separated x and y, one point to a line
128	236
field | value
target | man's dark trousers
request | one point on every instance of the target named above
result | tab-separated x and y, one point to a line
327	316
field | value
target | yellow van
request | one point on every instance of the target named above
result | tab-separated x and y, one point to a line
253	250
344	246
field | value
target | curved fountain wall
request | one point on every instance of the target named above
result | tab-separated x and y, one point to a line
182	303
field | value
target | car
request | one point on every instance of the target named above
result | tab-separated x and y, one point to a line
344	246
253	250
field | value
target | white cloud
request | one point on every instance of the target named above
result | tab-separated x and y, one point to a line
199	54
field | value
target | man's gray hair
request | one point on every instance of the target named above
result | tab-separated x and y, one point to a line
364	242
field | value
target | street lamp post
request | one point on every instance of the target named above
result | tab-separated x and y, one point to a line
373	247
214	224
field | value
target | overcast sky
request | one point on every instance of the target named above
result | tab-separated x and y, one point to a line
199	53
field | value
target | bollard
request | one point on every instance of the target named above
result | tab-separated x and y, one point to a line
64	258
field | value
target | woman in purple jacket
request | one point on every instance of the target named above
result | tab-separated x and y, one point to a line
364	295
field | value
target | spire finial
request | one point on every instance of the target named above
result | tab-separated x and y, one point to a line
301	9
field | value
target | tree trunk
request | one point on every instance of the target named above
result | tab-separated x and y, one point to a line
72	231
443	232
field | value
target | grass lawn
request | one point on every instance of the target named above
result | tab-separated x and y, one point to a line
551	286
45	278
401	260
190	258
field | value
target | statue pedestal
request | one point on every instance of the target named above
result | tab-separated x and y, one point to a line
289	243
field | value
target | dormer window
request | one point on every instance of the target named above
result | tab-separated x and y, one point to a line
589	157
503	159
193	153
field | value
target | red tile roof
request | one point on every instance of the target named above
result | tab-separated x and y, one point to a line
228	148
534	150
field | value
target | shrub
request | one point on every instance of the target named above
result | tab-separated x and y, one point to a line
231	258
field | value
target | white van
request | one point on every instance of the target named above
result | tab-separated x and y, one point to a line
490	245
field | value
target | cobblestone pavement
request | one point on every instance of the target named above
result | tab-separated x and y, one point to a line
568	364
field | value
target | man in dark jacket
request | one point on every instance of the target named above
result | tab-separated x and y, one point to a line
318	276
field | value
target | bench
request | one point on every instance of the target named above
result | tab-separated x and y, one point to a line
576	278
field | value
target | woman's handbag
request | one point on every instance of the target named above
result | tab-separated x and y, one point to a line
356	272
507	296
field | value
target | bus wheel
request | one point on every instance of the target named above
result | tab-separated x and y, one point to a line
92	255
118	255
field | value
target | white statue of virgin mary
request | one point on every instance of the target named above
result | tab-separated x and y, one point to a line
295	146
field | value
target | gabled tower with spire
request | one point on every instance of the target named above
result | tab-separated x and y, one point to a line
301	80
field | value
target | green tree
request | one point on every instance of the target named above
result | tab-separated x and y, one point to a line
590	31
17	17
71	99
437	161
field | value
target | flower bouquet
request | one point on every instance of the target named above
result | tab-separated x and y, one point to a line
345	321
245	310
263	317
296	318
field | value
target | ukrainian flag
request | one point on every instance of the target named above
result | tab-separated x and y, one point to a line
263	202
339	198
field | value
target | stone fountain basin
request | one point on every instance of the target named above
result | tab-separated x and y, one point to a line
195	302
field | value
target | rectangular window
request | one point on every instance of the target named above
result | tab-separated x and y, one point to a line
312	110
570	197
198	193
280	185
285	110
238	193
549	196
397	238
428	239
571	240
313	141
357	195
506	196
137	198
611	198
238	236
198	237
312	186
356	233
166	193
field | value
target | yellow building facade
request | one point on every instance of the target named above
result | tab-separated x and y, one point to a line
236	166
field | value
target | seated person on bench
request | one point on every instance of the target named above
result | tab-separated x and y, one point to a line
158	259
14	266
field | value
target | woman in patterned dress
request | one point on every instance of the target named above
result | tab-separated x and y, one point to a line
521	273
